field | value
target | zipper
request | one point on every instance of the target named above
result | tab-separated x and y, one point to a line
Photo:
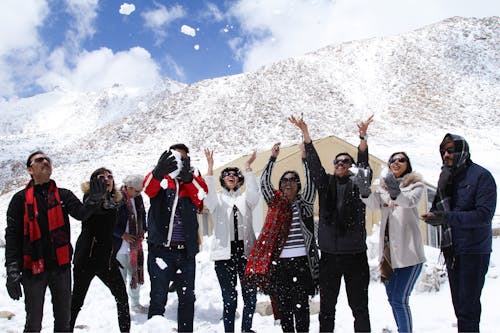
94	240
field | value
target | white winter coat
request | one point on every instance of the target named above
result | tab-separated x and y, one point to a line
220	204
405	239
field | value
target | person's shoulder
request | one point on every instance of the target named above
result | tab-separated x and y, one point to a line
477	169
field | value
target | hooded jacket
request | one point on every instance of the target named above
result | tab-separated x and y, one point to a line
473	201
402	218
221	206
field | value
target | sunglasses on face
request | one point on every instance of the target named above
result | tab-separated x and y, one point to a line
229	173
449	150
398	159
40	160
290	180
343	160
110	177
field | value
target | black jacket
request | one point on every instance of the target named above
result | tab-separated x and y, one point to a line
341	231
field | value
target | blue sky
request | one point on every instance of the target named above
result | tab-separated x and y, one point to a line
87	45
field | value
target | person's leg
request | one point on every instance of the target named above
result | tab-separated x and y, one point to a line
285	295
60	289
81	282
126	272
185	291
34	287
303	285
114	281
471	273
357	278
226	274
161	269
399	288
249	295
329	287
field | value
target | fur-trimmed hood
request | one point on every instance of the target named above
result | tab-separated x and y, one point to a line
116	194
408	179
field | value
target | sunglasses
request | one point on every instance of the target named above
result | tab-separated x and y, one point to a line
343	160
110	177
449	150
229	173
40	160
290	180
398	159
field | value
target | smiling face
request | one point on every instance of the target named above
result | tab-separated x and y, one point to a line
40	168
108	178
398	164
289	185
230	179
447	153
342	163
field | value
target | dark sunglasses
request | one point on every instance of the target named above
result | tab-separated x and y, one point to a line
229	173
290	180
40	160
449	150
399	159
343	160
110	177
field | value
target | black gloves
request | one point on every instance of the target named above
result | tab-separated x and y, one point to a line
362	181
166	164
185	174
392	185
97	191
437	218
14	281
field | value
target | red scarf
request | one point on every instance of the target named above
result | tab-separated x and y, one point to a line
135	228
32	246
267	249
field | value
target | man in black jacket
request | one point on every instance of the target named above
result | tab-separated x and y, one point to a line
342	233
37	242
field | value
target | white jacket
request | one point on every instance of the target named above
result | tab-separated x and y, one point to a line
220	204
405	239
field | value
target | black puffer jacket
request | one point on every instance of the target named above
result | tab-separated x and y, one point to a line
94	248
341	231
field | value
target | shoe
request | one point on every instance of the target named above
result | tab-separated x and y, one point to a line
139	308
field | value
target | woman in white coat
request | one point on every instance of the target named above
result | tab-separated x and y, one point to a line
401	249
233	238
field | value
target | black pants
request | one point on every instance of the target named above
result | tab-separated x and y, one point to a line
59	283
294	283
354	268
113	280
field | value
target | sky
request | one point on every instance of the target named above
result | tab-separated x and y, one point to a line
88	45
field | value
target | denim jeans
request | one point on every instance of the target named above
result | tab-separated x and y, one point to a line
398	289
164	266
227	273
354	268
466	283
127	271
59	283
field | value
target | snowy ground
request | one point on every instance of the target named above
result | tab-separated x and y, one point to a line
432	311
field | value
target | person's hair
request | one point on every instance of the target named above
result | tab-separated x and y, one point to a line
296	175
409	169
28	161
241	178
345	153
179	146
134	181
99	171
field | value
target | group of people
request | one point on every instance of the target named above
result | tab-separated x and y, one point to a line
285	261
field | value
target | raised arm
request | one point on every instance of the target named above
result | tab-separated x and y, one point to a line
252	191
309	192
265	181
363	143
211	200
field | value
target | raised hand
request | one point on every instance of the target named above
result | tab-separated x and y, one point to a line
185	175
209	154
250	160
363	126
166	164
275	151
97	191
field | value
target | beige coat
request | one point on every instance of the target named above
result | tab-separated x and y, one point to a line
405	239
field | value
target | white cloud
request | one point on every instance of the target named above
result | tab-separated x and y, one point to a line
284	28
178	71
158	19
84	13
101	69
187	30
213	12
127	8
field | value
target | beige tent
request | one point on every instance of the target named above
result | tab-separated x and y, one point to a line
290	159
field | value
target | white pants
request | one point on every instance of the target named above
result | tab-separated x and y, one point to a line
126	270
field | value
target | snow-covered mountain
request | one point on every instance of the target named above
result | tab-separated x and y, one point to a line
420	85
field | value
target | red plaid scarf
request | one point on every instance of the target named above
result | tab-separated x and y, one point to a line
135	228
267	249
32	245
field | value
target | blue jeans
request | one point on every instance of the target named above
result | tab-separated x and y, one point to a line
227	273
399	288
164	266
466	283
